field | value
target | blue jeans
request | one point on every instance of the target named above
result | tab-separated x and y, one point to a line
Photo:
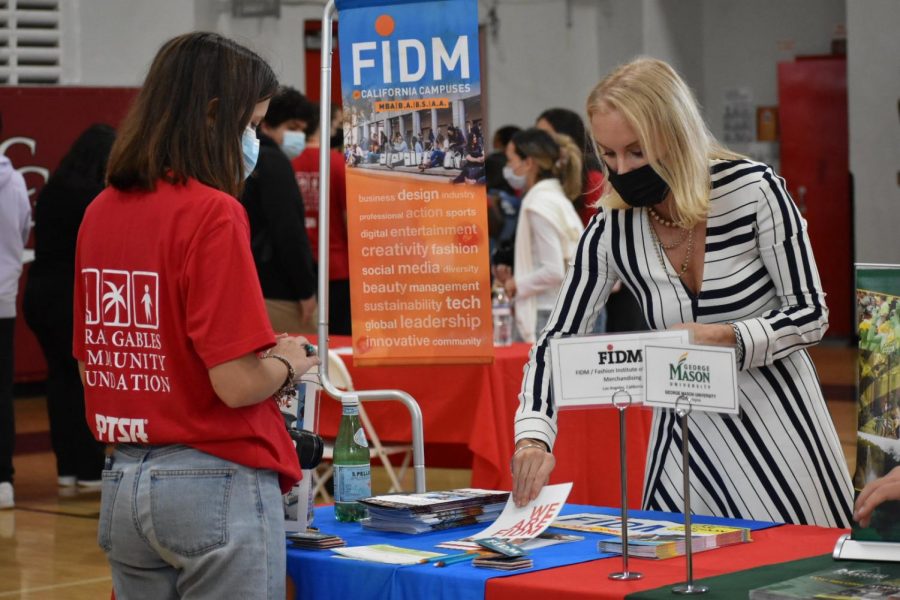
178	523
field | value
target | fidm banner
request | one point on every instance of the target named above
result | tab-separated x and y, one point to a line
416	202
878	403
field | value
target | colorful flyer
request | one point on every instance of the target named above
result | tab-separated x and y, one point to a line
416	201
878	403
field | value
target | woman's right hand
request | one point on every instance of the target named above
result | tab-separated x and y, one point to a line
531	466
293	348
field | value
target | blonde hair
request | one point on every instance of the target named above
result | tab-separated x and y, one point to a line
661	109
556	156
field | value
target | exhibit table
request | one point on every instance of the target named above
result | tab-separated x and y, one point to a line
566	571
468	413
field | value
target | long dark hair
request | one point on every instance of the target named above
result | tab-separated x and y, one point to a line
188	118
84	165
568	122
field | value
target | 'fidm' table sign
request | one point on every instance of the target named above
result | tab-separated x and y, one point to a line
589	369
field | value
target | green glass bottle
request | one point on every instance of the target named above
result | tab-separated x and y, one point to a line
352	466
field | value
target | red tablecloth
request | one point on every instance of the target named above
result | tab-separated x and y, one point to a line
472	407
589	580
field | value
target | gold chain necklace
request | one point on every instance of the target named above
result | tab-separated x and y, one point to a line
657	245
685	234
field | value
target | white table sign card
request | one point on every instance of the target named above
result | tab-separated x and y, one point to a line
705	375
588	369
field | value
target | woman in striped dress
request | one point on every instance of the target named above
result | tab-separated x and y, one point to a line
711	242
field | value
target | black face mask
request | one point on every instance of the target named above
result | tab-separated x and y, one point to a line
641	187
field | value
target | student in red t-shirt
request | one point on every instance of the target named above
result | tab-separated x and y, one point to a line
306	168
169	324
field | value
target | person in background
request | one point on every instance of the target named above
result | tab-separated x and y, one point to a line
396	151
336	141
622	312
15	225
58	212
306	169
472	171
503	200
281	248
436	157
711	243
548	168
180	365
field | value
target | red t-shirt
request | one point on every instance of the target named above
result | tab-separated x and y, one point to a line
306	168
165	289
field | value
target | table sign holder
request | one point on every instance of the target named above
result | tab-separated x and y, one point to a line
621	406
683	410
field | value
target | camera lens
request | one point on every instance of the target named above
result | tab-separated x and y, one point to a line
309	448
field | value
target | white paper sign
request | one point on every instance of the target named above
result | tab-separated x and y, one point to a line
705	375
587	370
531	520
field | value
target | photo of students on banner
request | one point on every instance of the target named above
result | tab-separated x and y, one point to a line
416	200
878	435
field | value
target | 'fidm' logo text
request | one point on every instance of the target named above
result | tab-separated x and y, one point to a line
616	357
412	56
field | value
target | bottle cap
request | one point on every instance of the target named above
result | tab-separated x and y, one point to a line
350	399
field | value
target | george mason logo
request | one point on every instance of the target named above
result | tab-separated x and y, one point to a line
694	376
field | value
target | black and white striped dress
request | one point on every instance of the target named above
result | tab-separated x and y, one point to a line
780	459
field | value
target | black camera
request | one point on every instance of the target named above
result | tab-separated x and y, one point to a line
310	446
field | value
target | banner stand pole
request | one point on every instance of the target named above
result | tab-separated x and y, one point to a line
621	405
683	410
415	412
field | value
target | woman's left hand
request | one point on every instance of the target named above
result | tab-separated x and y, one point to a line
709	334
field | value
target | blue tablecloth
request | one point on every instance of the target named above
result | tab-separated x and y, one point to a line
319	574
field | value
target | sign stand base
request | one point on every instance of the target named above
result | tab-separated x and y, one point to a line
624	574
849	549
683	410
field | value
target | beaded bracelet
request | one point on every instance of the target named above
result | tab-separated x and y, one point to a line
738	344
287	393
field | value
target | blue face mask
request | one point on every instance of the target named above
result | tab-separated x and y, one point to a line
293	144
250	150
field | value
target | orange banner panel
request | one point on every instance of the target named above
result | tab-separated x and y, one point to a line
420	275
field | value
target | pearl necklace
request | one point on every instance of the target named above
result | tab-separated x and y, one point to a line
660	220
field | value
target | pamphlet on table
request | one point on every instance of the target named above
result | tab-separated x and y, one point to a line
520	524
432	511
386	553
650	538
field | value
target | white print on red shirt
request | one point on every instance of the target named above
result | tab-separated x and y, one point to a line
127	358
146	299
118	298
117	429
